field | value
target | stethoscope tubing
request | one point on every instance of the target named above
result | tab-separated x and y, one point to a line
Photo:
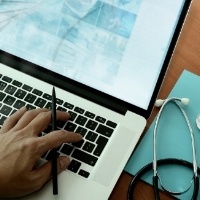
162	162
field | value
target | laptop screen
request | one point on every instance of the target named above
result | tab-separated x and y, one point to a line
117	47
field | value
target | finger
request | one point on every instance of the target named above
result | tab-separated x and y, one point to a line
55	139
11	121
43	119
44	173
28	117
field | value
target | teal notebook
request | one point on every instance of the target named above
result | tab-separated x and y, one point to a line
173	139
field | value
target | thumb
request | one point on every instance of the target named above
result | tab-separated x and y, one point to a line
45	171
62	163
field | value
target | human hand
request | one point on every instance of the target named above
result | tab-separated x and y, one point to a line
21	149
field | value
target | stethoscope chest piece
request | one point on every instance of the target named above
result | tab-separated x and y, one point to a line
198	121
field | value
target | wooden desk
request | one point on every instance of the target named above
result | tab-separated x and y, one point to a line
186	56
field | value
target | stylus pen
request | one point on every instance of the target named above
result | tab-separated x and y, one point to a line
54	151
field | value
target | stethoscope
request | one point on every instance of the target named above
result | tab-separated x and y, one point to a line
168	161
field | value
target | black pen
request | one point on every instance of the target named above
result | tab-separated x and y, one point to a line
54	151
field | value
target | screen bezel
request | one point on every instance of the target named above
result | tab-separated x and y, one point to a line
89	93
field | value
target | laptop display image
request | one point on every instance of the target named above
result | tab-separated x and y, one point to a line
107	60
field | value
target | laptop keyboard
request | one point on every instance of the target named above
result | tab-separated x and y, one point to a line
95	129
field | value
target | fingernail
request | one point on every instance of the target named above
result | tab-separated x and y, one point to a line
64	162
23	108
79	135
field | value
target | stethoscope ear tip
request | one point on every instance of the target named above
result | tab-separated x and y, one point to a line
159	103
185	101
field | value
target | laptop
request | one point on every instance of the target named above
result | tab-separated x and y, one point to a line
106	59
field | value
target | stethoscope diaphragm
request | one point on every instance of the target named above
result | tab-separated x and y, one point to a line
198	121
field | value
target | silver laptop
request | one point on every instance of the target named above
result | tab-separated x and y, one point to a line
107	60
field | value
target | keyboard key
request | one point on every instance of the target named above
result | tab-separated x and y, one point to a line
17	83
89	114
30	107
68	105
37	92
2	95
47	96
62	109
60	124
13	111
10	89
9	100
81	120
67	149
20	94
89	147
111	124
84	173
19	104
5	110
78	144
104	130
30	98
40	102
91	124
91	136
70	126
2	85
59	101
81	130
72	115
101	143
74	166
79	110
48	105
2	119
100	119
27	87
7	79
84	157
